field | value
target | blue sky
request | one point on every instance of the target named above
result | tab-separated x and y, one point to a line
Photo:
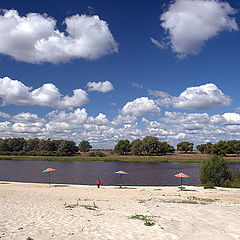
109	70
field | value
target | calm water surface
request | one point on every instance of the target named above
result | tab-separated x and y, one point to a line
139	174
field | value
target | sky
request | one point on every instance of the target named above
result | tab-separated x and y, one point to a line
103	70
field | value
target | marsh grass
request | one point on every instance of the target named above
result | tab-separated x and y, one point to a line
71	206
88	207
176	157
144	200
180	201
148	221
190	200
202	200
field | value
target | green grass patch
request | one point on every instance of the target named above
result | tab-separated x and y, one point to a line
148	221
112	159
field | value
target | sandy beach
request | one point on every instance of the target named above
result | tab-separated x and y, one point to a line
77	212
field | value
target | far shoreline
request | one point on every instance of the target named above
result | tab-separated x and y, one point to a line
178	158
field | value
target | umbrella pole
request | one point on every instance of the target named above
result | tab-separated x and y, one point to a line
181	181
120	180
49	178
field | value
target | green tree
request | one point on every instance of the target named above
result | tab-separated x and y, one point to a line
151	146
205	148
84	146
222	148
165	148
235	146
185	146
16	144
4	146
67	148
123	147
48	145
136	147
214	171
32	144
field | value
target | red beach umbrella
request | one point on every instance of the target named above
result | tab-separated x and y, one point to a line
49	170
121	173
182	175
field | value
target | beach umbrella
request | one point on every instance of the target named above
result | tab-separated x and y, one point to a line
49	170
121	173
181	176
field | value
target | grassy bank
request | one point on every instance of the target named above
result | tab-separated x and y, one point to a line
189	158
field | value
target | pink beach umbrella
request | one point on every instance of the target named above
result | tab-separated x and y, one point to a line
49	170
182	175
121	173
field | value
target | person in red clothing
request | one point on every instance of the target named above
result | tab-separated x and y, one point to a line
98	182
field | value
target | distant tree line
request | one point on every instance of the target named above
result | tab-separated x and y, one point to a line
41	147
222	148
149	146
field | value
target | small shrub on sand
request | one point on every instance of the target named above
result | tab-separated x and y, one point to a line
209	185
146	219
214	171
235	178
149	223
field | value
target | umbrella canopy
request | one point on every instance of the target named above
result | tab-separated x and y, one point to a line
49	170
121	173
182	175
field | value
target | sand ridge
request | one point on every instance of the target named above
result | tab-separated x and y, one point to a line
84	212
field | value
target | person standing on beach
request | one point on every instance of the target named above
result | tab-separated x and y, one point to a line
98	182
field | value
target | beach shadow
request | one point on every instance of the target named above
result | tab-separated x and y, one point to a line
188	190
4	183
125	188
62	185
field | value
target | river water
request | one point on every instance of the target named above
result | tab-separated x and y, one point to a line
86	173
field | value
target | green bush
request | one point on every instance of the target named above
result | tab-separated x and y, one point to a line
235	178
96	154
209	185
100	154
214	172
6	153
92	154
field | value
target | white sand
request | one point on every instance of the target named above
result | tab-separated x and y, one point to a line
40	212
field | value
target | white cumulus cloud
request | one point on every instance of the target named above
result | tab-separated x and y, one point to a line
232	118
34	38
140	106
197	98
15	92
190	23
202	97
100	86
